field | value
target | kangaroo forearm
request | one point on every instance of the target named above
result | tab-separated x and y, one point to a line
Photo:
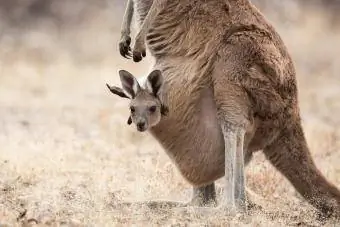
127	19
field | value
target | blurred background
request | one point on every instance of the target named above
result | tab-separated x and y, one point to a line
66	152
40	27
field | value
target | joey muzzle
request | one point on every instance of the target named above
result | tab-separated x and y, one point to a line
142	125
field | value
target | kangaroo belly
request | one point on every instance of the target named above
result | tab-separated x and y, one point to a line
196	146
206	158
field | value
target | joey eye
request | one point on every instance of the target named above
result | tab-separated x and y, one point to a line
132	109
152	109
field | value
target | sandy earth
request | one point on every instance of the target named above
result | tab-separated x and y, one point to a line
67	156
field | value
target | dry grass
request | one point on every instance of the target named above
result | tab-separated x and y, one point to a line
67	155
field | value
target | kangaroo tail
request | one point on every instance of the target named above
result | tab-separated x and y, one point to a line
290	155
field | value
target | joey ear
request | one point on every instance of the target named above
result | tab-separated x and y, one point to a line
154	82
117	91
129	83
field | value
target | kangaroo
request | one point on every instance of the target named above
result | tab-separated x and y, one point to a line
231	90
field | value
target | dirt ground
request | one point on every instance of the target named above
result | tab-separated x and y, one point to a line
67	156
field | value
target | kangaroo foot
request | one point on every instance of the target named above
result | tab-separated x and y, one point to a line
253	201
139	49
204	196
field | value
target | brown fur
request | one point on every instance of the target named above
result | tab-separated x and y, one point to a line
226	67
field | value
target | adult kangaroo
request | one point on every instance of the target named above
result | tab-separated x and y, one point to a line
230	87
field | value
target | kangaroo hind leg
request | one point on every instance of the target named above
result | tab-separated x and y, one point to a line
233	115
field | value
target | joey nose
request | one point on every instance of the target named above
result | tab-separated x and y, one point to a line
141	126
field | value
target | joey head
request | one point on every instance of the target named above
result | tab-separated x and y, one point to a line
146	107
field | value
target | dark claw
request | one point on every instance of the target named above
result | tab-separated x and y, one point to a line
124	47
123	50
137	57
144	53
129	54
